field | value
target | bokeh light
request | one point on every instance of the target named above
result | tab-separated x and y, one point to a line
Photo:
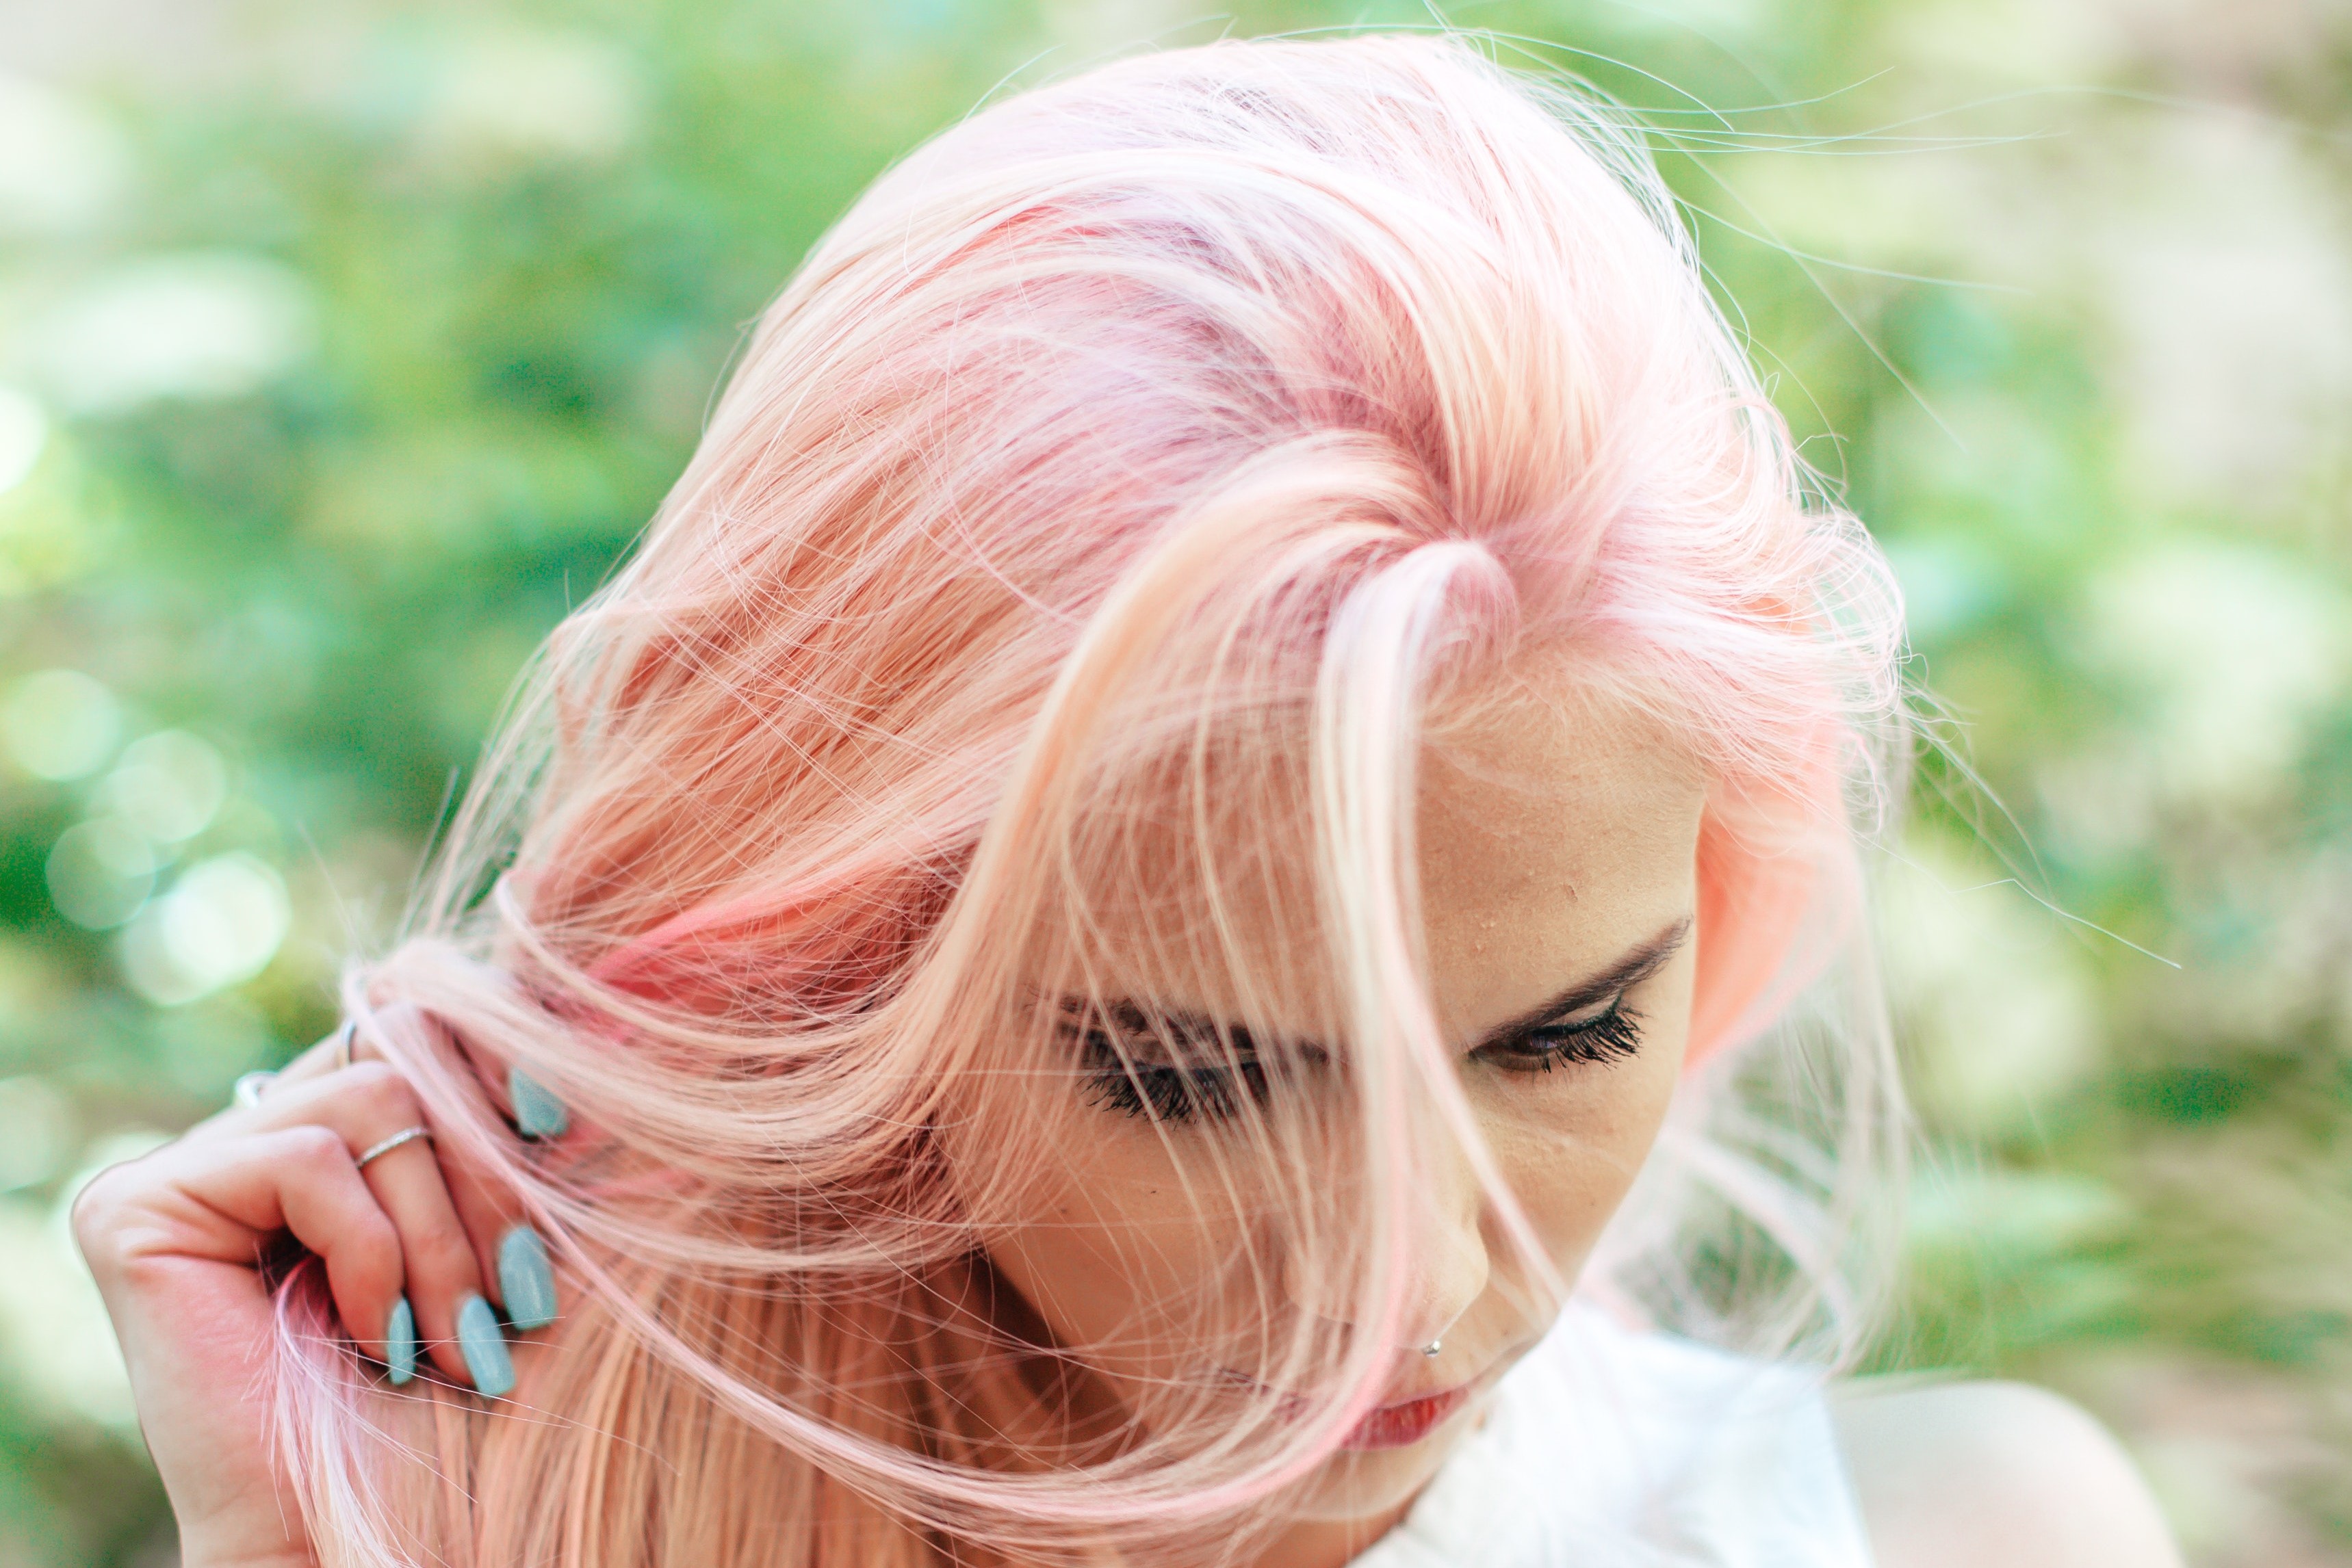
101	872
220	924
60	724
24	435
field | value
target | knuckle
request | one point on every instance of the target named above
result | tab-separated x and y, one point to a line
97	1196
444	1258
95	1218
378	1086
105	1217
104	1202
379	1248
313	1146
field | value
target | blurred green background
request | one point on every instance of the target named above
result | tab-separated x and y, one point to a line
343	344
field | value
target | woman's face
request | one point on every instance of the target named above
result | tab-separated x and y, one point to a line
1557	885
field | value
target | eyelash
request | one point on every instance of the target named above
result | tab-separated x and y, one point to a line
1179	1093
1167	1093
1612	1037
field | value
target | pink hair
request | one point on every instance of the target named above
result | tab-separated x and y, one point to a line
1165	453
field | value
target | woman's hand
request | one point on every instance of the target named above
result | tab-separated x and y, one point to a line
416	1251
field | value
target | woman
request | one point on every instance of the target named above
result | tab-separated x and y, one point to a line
1240	720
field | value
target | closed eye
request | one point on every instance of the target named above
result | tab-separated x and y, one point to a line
1166	1067
1612	1035
1175	1066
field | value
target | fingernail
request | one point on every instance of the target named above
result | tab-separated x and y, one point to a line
484	1347
536	1111
525	1279
400	1344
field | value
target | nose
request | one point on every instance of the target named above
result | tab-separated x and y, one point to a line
1442	1246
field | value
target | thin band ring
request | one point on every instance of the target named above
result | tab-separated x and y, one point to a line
406	1135
343	1036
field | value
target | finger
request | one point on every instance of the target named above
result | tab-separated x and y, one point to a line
331	1209
442	1252
536	1111
511	1256
298	1179
511	1261
366	1104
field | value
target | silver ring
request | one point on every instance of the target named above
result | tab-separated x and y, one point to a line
406	1135
246	1091
1431	1348
343	1035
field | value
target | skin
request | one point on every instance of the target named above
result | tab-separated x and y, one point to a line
1550	850
1554	844
1967	1474
171	1240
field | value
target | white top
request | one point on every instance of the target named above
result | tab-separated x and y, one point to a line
1606	1449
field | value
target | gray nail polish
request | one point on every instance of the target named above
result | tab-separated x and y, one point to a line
525	1279
537	1113
400	1344
484	1347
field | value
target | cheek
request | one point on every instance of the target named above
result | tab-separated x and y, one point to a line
1098	1228
1571	1142
1570	1154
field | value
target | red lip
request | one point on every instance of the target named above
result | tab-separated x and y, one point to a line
1402	1425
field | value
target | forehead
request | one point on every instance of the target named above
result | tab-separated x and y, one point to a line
1555	833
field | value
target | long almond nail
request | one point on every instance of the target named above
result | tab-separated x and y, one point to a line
484	1347
400	1344
525	1279
537	1113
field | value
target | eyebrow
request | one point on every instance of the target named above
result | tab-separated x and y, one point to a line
1624	975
